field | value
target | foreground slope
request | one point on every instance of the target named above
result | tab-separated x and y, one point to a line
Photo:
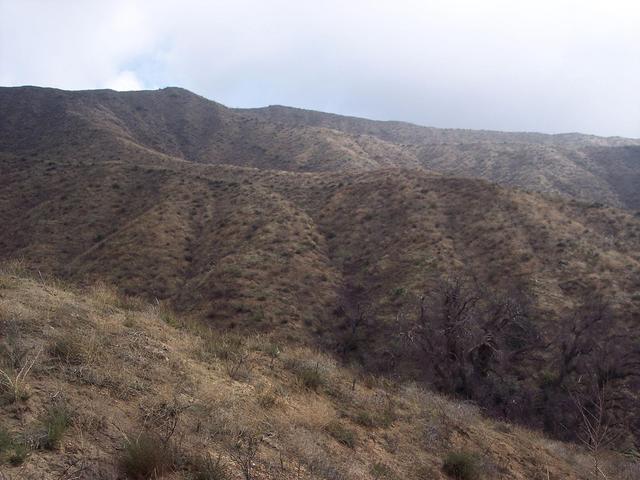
119	387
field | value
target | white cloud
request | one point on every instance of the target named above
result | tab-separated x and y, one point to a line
125	81
546	65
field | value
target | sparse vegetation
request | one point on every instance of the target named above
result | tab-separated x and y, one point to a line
286	323
69	349
6	442
222	346
243	453
310	377
200	423
209	468
19	454
14	379
381	471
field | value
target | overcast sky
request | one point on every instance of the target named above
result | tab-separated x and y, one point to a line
543	65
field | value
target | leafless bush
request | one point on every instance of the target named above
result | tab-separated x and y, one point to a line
163	418
239	366
466	334
597	433
14	380
244	451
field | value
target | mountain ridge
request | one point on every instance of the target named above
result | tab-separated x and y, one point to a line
176	122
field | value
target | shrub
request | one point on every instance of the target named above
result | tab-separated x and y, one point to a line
272	350
56	422
19	455
365	418
146	456
382	417
398	292
269	397
461	466
310	377
380	470
206	468
342	434
129	320
311	372
239	368
13	380
222	346
5	440
168	317
68	348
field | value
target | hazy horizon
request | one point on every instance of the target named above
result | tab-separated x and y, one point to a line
548	66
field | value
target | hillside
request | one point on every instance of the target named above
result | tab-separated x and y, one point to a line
327	234
284	252
121	387
581	166
221	237
175	122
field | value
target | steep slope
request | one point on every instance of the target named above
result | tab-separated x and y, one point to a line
215	237
178	123
120	388
185	202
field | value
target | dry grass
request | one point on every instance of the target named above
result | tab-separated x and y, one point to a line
143	391
264	260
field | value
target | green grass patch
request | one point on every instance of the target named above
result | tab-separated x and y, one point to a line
19	454
56	422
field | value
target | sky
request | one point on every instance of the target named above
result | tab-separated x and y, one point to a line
519	65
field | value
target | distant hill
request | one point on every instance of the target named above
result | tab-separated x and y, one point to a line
581	166
176	122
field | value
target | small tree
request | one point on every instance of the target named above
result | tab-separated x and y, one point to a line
355	319
243	452
465	334
597	431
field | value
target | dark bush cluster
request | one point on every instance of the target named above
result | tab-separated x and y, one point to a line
490	348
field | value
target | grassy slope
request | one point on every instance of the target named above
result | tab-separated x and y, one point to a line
264	245
119	366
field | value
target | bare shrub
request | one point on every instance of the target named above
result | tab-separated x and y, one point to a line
244	451
13	380
597	433
342	434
